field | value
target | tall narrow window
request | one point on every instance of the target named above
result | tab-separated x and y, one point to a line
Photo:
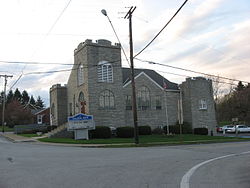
202	104
105	72
143	98
128	102
158	102
107	100
80	75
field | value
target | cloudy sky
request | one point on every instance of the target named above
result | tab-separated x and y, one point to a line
210	36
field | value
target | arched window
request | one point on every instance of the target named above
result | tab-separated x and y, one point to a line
143	98
80	75
105	72
106	100
81	97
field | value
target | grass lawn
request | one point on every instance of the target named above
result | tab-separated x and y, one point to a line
148	140
6	129
28	135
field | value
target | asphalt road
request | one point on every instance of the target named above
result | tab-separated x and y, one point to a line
31	165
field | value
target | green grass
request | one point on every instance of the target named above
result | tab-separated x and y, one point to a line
28	135
6	129
148	140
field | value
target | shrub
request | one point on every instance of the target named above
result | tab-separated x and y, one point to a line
125	132
175	129
201	131
101	132
144	130
158	130
51	127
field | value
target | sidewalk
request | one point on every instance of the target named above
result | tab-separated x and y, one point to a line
16	138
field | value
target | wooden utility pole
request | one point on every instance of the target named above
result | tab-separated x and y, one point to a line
4	97
129	16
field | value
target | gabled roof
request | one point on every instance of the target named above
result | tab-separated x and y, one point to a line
160	80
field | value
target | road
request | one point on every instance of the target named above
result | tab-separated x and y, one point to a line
32	165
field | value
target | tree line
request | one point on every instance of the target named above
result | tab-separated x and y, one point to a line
236	104
20	107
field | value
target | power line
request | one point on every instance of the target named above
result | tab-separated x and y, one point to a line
51	28
161	29
188	70
34	63
192	76
105	14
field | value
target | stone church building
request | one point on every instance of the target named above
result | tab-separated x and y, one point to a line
99	86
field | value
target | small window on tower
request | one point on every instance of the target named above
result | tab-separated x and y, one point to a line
202	104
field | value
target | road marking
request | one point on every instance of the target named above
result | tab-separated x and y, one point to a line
186	178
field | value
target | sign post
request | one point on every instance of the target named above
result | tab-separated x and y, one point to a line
81	124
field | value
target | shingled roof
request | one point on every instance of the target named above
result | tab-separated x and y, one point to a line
160	80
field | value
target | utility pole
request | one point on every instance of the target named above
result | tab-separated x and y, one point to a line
129	16
4	97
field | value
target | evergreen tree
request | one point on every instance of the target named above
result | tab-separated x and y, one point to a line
10	96
25	97
32	100
39	102
17	95
240	86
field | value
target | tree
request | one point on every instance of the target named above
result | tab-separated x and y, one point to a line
240	86
17	95
39	102
25	97
10	96
32	100
16	114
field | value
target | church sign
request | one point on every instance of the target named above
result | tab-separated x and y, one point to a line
81	121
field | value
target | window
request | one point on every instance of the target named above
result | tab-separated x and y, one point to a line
52	112
80	77
81	97
143	98
107	100
128	100
202	104
158	102
40	119
105	72
70	109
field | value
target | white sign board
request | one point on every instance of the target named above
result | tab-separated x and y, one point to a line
81	121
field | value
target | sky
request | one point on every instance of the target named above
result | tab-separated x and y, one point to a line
208	36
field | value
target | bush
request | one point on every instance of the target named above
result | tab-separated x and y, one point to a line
144	130
125	132
201	131
51	127
100	132
175	129
158	131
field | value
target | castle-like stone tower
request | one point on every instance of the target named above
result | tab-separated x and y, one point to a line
58	104
95	83
198	103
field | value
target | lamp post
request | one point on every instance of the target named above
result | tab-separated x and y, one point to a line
129	16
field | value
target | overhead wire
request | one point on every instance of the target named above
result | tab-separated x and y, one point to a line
161	29
188	70
51	28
